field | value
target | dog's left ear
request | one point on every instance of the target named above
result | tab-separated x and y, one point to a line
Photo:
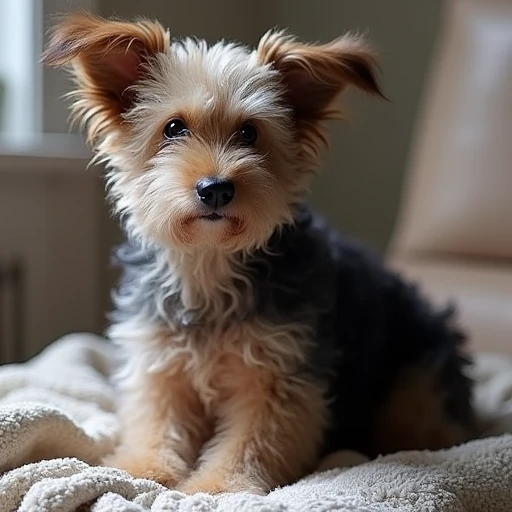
314	75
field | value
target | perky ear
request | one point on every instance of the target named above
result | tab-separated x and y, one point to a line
314	75
106	58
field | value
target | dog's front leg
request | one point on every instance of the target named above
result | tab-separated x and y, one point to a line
268	434
162	429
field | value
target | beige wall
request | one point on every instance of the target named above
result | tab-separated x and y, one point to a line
360	185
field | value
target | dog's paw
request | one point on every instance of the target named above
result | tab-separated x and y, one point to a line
145	468
217	483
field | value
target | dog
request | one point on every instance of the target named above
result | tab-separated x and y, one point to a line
255	338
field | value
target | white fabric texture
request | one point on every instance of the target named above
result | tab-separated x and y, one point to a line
57	419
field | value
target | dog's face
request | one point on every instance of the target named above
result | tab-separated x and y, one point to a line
207	146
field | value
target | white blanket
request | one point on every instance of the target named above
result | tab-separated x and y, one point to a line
57	417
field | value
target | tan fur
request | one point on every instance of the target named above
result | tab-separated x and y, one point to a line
414	419
268	431
267	423
241	374
164	428
232	379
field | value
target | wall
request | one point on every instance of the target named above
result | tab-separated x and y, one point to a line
55	83
359	187
51	229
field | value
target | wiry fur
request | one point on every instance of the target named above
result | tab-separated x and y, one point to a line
256	343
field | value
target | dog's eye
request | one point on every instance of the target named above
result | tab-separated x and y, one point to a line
248	134
175	128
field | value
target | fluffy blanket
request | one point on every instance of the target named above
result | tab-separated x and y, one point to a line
57	419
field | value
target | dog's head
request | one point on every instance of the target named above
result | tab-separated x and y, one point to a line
207	145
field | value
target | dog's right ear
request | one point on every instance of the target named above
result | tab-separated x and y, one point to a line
106	58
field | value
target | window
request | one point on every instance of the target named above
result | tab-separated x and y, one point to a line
31	102
20	76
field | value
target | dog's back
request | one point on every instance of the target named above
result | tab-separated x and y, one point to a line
395	364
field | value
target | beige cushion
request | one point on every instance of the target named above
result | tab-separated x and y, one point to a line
482	294
459	196
454	231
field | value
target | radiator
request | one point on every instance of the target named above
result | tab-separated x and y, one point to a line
12	311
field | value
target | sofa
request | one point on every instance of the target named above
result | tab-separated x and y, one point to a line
454	228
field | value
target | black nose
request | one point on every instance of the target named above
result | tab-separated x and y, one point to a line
215	192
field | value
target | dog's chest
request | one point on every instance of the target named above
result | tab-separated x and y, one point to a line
217	363
201	322
221	362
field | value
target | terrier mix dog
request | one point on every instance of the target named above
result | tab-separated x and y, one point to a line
256	340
